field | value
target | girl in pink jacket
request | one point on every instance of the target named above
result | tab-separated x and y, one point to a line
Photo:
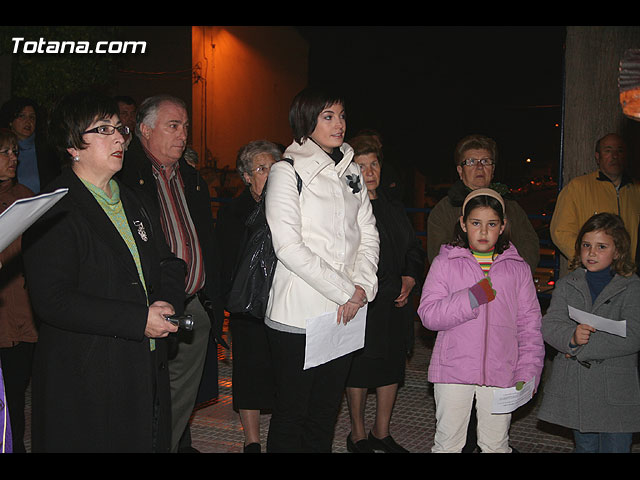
480	298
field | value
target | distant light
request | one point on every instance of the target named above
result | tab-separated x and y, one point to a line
528	160
551	282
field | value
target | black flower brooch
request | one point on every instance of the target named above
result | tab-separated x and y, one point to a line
354	183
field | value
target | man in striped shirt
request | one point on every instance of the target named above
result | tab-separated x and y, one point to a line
155	164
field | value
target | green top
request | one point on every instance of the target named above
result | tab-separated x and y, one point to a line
112	206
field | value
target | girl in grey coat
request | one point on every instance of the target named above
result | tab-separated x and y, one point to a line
593	387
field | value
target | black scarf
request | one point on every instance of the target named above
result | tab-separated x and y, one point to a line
336	155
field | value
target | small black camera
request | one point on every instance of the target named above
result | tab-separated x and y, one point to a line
182	321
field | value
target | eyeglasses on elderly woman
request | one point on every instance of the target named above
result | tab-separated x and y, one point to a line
261	170
6	151
485	162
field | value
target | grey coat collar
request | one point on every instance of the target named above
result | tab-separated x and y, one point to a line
578	280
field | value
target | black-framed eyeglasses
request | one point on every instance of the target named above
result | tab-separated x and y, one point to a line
485	162
109	130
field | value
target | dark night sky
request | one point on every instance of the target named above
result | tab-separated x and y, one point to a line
424	88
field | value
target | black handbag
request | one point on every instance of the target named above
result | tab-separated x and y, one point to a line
253	273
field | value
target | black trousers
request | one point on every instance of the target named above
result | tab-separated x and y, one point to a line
307	401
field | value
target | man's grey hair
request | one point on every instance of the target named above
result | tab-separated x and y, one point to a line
148	110
244	160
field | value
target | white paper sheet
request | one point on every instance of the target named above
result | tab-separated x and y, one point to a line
326	339
22	213
615	327
506	400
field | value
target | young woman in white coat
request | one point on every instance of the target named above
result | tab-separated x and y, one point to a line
327	246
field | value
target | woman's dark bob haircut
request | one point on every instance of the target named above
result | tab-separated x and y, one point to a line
72	116
305	108
13	107
460	237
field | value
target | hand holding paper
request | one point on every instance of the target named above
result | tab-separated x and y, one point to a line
506	400
582	334
347	311
615	327
326	339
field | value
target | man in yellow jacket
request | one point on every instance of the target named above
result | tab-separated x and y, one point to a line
607	189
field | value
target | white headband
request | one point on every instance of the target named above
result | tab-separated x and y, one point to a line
487	192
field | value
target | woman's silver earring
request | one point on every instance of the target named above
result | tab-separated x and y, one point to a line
76	158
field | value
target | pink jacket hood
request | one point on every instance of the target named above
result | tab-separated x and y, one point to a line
496	344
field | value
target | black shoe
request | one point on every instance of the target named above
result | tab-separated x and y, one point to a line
387	444
361	446
252	448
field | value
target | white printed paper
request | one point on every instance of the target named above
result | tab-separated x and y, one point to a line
615	327
326	339
506	400
23	213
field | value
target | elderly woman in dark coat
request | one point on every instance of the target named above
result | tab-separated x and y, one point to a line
475	159
102	281
389	332
252	374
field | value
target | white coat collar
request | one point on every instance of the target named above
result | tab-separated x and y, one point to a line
309	159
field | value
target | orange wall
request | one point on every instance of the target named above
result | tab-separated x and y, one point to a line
244	81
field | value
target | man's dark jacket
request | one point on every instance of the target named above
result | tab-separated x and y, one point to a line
137	174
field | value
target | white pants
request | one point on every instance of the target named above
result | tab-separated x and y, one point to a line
453	409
